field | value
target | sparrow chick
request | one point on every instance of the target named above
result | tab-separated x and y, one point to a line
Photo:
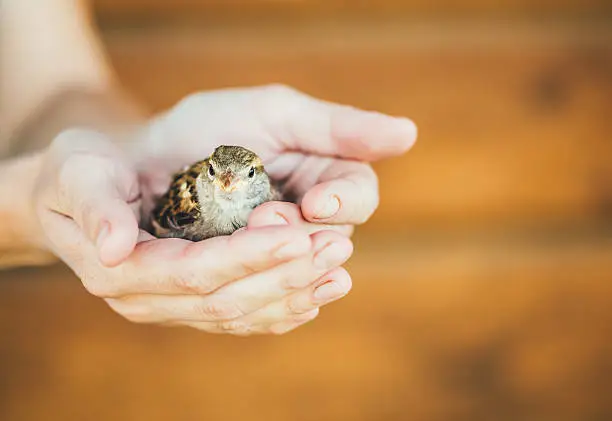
214	196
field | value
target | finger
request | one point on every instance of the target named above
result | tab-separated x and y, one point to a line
180	267
324	128
332	191
245	296
331	287
98	194
284	327
285	213
346	194
239	328
67	240
330	250
107	224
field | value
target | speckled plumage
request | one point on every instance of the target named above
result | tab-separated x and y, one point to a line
214	196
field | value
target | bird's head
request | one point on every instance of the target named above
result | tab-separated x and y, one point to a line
234	171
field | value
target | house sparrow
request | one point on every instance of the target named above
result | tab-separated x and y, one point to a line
214	196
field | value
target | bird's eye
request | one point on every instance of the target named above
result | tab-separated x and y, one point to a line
211	171
251	172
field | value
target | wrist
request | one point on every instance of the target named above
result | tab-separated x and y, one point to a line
21	239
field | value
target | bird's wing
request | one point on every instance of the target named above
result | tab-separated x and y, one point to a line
178	207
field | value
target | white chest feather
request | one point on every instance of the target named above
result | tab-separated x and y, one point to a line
230	213
221	214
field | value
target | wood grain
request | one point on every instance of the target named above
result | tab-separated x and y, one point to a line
301	9
478	332
514	122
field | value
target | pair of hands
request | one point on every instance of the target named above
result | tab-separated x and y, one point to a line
270	277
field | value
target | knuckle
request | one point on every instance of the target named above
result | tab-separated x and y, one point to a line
217	310
269	98
190	101
292	307
132	319
306	317
292	278
281	328
295	322
278	94
291	281
192	284
235	327
95	285
369	147
66	139
134	312
280	90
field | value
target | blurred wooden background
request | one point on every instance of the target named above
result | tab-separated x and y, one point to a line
483	285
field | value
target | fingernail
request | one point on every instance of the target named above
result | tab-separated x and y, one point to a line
329	208
328	291
295	248
104	231
331	256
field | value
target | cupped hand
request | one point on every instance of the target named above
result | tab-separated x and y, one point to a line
318	149
268	278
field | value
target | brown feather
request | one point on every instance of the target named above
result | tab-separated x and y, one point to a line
179	207
181	213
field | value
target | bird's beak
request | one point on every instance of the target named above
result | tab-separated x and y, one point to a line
227	182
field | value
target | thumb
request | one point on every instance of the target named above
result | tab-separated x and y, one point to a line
114	230
101	195
307	124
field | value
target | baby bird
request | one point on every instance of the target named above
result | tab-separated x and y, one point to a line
213	197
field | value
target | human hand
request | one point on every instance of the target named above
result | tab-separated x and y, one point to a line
320	150
264	279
